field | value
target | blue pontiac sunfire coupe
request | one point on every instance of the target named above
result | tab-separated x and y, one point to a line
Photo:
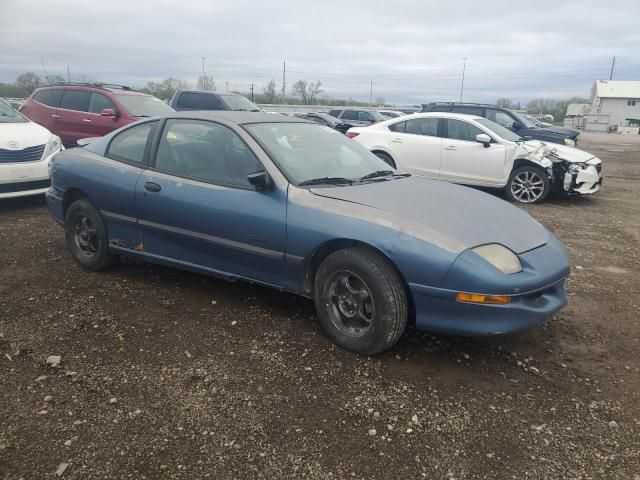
297	206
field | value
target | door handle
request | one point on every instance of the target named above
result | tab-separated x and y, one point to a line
450	147
152	187
55	116
87	120
396	140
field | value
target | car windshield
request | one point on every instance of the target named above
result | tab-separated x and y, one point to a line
499	130
523	120
144	105
8	114
307	153
378	117
240	103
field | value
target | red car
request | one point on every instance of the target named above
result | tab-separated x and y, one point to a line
75	111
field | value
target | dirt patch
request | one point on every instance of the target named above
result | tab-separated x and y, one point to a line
167	374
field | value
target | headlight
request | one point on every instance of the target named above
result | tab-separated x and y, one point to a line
569	142
53	145
500	257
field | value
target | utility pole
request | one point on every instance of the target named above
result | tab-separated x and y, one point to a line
284	77
464	67
203	59
613	64
227	86
68	75
252	92
371	94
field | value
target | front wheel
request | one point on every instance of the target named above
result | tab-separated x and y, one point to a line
360	301
528	184
86	236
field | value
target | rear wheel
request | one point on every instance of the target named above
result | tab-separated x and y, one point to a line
360	301
528	184
86	236
385	157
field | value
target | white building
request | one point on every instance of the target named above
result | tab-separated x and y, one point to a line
574	118
615	106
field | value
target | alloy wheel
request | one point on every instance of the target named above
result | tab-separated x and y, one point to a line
527	186
351	305
85	236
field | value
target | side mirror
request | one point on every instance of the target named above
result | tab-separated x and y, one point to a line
484	139
259	180
108	112
517	126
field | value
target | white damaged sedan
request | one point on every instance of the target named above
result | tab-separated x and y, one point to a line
473	150
25	151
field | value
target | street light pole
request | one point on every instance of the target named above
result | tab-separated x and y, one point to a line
464	67
371	94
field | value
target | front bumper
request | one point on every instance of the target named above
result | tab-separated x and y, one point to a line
23	179
438	311
536	293
583	182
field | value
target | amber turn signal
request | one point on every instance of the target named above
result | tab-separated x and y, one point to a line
478	298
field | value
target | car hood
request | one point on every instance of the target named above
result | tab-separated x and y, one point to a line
559	131
552	151
453	217
16	136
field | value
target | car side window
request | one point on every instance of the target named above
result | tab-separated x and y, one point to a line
207	151
459	130
397	127
350	115
130	145
365	116
50	97
190	101
335	113
75	100
422	126
478	111
99	102
501	118
211	102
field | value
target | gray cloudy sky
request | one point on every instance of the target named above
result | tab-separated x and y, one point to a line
411	50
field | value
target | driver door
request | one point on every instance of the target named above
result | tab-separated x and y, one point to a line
464	160
416	145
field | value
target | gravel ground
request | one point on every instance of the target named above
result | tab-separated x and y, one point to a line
167	374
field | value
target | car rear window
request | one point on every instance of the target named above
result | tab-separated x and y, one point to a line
76	100
50	97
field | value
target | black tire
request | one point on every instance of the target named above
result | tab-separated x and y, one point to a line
386	158
381	315
86	236
528	184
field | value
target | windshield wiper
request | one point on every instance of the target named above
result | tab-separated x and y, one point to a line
383	173
327	181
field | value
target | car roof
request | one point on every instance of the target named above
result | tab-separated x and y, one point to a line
119	89
464	116
240	118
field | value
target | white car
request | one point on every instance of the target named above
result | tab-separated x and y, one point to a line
25	151
473	150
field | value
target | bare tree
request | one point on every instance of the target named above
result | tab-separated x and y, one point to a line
299	89
167	88
270	92
206	82
314	89
29	81
505	103
56	79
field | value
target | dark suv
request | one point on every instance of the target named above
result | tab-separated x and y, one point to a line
509	119
204	100
81	110
358	118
